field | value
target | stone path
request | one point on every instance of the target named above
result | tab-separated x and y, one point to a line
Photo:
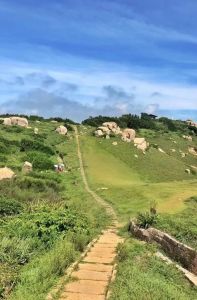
91	277
94	273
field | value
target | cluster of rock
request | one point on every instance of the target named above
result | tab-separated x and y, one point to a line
107	128
127	135
187	137
15	121
61	130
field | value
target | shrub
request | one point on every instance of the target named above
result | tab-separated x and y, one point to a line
9	207
40	160
29	145
147	219
39	185
3	158
3	148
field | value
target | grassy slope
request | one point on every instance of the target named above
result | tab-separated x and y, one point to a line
45	263
134	182
141	276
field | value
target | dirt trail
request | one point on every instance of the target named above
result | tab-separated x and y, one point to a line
97	268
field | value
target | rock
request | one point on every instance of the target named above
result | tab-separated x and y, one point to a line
35	130
110	125
115	143
135	155
138	141
128	135
37	121
27	167
188	171
173	150
61	130
53	121
98	133
6	173
105	130
183	155
161	150
107	137
141	144
16	121
187	137
7	122
192	150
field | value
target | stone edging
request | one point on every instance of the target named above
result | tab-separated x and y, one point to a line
178	251
54	292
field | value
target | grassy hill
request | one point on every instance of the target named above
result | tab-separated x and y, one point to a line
132	183
46	218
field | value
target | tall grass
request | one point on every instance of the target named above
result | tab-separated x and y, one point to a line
40	275
142	276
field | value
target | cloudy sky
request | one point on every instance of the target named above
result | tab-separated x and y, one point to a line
76	58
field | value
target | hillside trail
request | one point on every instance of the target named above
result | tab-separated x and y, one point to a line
96	270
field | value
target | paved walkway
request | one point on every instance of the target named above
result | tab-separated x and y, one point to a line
94	273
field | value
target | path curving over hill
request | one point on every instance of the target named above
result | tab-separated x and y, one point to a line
97	198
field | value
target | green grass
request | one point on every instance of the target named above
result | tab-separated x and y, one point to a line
182	225
141	275
39	238
132	183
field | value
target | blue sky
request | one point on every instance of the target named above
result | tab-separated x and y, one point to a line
75	58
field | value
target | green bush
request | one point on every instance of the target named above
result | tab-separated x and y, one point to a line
14	129
147	219
3	158
47	226
29	145
9	207
3	148
40	160
39	185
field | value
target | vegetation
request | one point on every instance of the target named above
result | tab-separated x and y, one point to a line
145	121
141	275
47	218
132	183
182	225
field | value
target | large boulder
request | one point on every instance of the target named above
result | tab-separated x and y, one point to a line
128	135
110	125
104	129
6	173
99	133
16	121
107	128
62	130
